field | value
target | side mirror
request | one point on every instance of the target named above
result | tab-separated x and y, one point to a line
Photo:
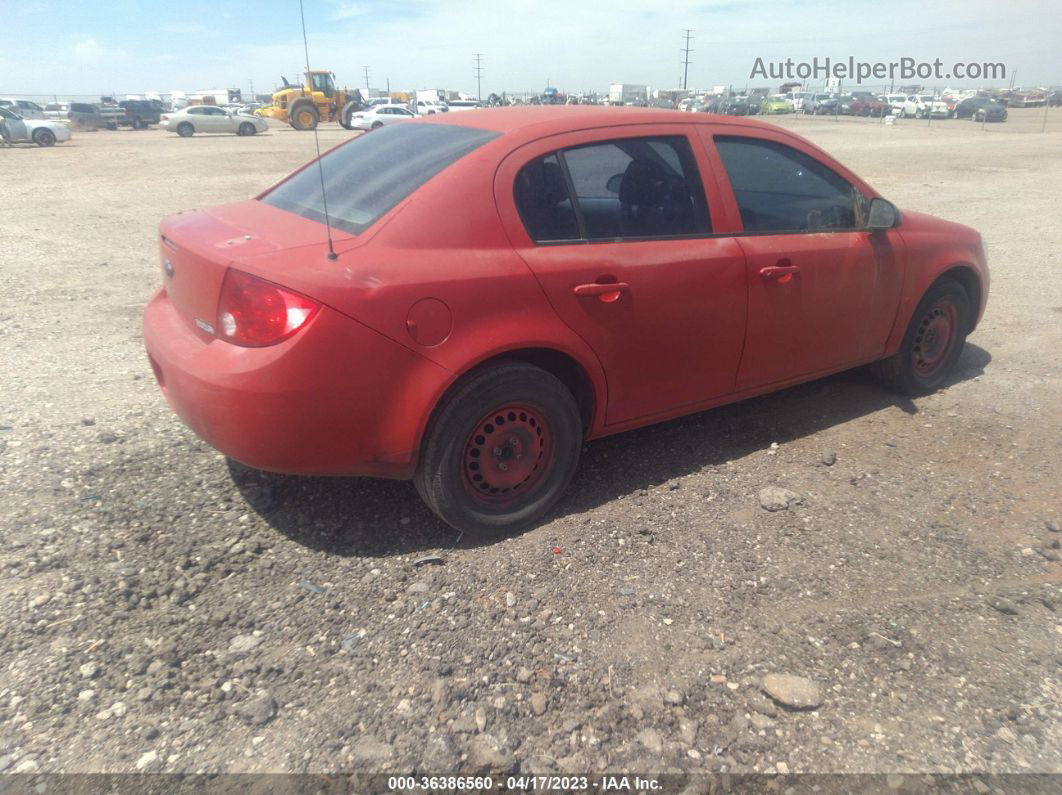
882	215
613	184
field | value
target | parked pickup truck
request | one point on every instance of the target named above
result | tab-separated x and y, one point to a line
140	113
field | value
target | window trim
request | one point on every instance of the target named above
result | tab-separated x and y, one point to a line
716	134
583	239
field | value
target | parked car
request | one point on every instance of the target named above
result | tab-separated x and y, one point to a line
42	132
812	101
377	116
870	106
922	106
1054	99
473	104
112	114
210	119
56	111
798	98
993	111
895	102
776	104
78	114
475	355
830	106
25	108
140	113
424	108
970	107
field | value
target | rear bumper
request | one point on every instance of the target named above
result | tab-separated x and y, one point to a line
335	399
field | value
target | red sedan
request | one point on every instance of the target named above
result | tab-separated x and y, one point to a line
507	283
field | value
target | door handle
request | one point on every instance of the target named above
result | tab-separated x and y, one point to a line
606	292
781	273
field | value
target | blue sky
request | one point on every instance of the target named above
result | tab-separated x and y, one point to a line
127	46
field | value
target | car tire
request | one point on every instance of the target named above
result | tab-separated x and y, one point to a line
43	137
924	362
246	128
491	478
376	125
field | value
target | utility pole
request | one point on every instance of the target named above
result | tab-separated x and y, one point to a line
252	89
688	32
366	70
478	57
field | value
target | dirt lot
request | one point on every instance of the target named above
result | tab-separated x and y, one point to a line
164	610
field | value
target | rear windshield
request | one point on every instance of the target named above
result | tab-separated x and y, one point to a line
368	176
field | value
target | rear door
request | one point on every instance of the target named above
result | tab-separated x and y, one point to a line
823	290
630	263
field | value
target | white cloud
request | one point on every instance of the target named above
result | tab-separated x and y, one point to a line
91	51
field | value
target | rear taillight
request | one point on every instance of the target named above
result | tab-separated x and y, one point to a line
253	312
164	117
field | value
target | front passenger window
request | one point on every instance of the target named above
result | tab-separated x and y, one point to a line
781	189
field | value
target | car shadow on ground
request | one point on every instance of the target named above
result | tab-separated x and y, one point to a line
371	517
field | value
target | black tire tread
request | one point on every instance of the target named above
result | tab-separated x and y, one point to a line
462	400
894	372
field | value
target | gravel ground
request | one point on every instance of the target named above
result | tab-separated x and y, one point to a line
166	610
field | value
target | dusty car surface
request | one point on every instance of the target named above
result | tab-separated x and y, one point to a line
603	269
211	119
39	131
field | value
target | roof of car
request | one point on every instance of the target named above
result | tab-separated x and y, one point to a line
551	120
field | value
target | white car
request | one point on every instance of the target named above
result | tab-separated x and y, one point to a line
375	117
894	101
23	107
424	108
39	131
464	104
923	106
210	119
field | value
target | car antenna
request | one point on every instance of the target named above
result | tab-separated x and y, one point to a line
317	143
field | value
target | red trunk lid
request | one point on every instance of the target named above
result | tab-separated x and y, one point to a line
197	247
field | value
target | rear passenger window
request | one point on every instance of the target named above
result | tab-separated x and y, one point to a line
781	189
631	188
638	187
544	202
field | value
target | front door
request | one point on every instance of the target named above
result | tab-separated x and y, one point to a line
819	282
617	227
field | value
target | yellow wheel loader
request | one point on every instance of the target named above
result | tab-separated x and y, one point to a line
316	100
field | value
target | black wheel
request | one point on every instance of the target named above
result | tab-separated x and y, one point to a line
185	129
349	110
43	137
246	128
376	125
500	450
933	341
304	116
136	123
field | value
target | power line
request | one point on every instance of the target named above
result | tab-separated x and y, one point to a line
478	56
365	69
688	33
